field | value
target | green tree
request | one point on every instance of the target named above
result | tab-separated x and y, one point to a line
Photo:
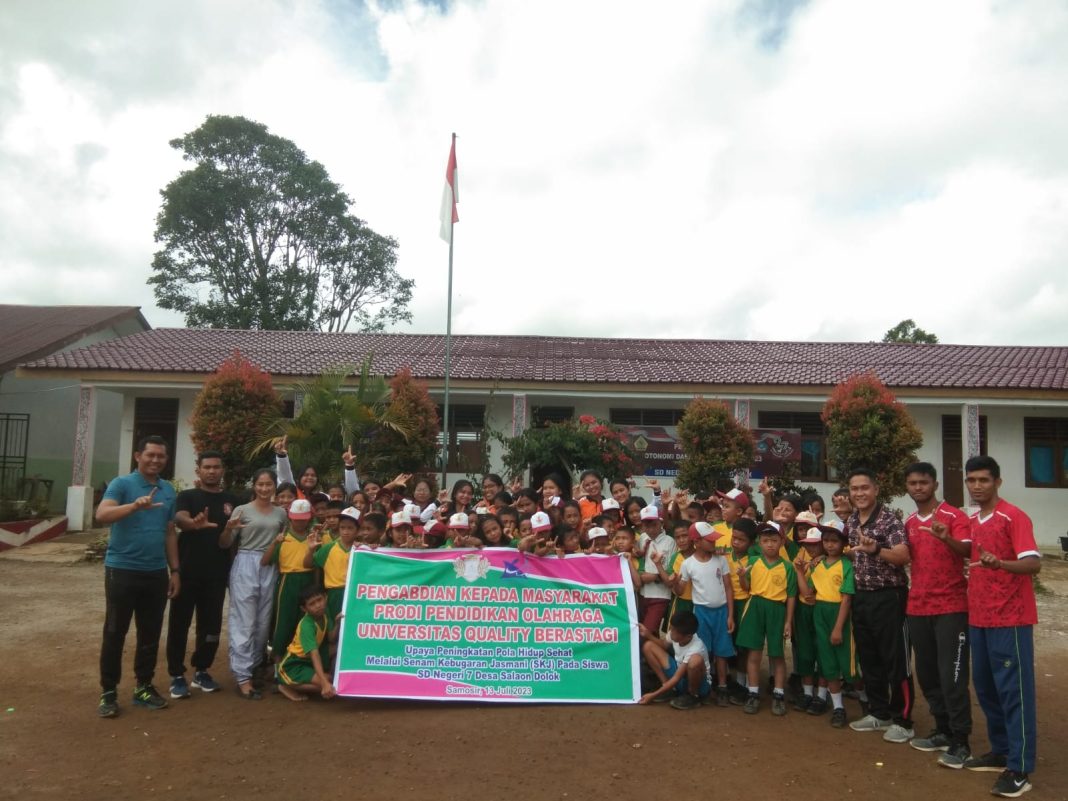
868	427
257	235
715	445
906	331
570	446
411	447
229	414
332	418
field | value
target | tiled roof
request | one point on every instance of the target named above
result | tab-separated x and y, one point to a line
572	359
28	332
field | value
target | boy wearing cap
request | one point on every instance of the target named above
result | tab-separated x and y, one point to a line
288	552
539	540
459	533
810	542
400	529
732	507
600	542
771	582
656	595
333	559
707	575
829	582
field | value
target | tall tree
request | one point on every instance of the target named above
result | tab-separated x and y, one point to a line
257	235
715	444
906	331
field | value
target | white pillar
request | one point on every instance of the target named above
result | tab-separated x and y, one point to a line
970	442
80	493
741	414
519	414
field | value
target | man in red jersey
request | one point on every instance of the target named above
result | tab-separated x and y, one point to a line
939	541
1001	618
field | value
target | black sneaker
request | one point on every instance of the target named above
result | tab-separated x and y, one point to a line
935	741
818	706
685	701
838	718
778	705
738	694
989	762
109	704
146	696
955	756
752	704
1011	784
802	702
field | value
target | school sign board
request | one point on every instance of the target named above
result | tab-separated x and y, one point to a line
488	625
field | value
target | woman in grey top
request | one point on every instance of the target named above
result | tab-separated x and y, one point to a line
251	583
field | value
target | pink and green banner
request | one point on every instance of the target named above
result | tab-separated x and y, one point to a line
488	625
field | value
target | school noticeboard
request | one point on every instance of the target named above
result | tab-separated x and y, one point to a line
488	625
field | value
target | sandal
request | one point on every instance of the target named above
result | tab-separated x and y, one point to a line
252	695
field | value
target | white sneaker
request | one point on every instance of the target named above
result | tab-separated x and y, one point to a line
898	734
870	723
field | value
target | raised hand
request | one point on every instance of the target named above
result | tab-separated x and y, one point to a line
280	444
987	560
234	523
443	496
201	520
146	502
348	458
764	488
653	484
280	538
516	485
937	529
577	493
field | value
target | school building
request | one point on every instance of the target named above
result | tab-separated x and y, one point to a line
1008	402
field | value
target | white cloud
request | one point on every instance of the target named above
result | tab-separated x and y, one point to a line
740	169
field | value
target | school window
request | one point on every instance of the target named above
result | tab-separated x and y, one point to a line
544	415
645	417
813	439
467	423
1046	451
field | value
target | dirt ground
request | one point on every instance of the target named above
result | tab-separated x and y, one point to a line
219	746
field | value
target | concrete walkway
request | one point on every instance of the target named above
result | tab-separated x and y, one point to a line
65	550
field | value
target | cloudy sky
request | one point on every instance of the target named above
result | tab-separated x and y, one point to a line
763	169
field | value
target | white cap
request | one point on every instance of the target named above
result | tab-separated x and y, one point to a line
400	519
412	510
650	512
609	503
540	522
459	520
352	513
700	530
596	532
482	510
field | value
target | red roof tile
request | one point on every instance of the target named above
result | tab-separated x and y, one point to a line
28	332
580	360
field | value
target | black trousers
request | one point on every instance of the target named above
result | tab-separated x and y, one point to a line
881	634
139	595
204	597
942	669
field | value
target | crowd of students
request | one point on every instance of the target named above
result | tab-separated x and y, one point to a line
727	584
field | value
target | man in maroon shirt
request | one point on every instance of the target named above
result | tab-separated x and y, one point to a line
939	542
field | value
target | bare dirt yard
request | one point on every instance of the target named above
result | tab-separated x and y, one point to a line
222	747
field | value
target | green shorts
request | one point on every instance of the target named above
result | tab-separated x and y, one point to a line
762	620
835	661
287	611
335	599
739	610
804	640
295	670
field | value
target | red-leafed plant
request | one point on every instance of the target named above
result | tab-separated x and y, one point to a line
229	412
868	427
412	444
715	445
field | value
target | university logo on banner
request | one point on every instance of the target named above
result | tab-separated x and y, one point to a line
488	625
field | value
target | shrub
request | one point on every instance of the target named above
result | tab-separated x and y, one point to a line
715	446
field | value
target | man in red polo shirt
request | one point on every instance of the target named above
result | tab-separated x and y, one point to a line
939	542
1001	615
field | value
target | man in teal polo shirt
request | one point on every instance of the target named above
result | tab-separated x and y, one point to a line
142	546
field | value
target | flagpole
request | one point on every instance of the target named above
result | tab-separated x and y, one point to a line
448	356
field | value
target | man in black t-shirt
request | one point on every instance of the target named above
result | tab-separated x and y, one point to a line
202	515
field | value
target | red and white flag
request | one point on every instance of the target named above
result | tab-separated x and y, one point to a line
450	196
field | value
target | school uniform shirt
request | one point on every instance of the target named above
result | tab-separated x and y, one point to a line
831	582
725	531
665	544
260	528
733	563
774	582
289	554
706	580
334	561
695	646
589	508
309	635
870	570
996	597
136	541
199	554
806	558
938	583
676	566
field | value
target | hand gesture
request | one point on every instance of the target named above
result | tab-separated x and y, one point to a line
938	529
517	485
681	498
400	480
234	523
443	496
986	559
867	544
740	571
348	458
146	502
765	487
656	557
576	492
280	538
313	540
280	444
800	565
652	484
201	520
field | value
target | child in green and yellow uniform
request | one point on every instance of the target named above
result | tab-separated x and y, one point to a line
301	670
768	615
810	540
333	559
288	552
742	537
682	601
831	583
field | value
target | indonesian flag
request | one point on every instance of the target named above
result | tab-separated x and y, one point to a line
450	196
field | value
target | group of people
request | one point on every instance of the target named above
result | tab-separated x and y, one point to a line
860	595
